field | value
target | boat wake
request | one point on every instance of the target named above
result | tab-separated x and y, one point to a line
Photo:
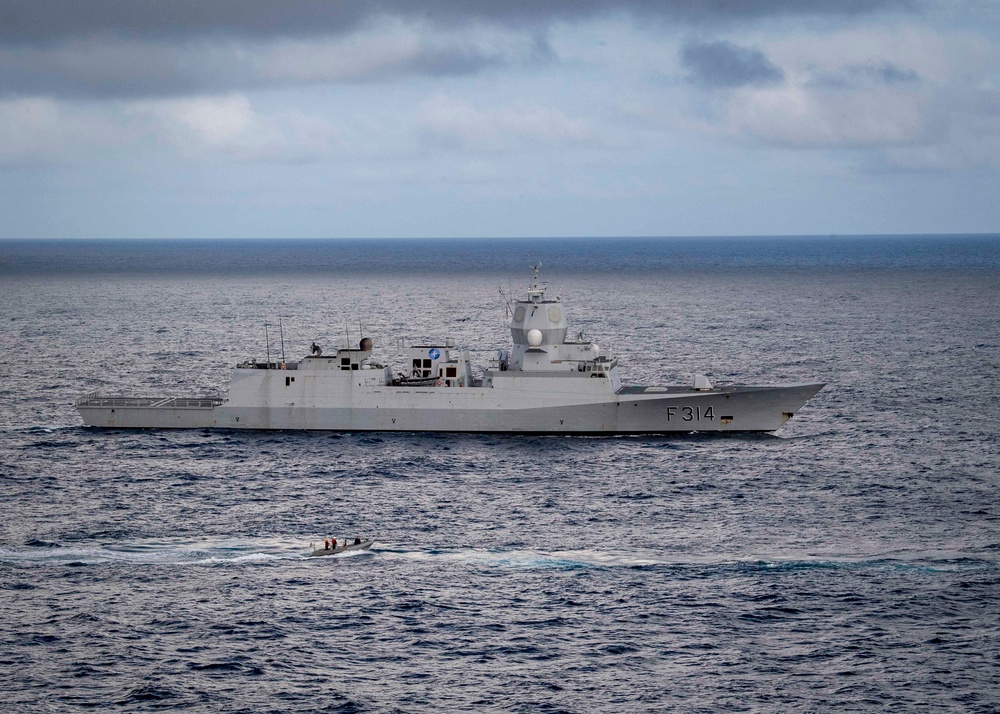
929	561
525	559
274	551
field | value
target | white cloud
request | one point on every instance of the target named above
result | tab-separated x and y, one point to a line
969	135
459	123
29	128
205	126
212	121
799	117
40	131
393	50
912	97
932	55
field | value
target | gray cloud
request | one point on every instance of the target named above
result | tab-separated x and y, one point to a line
889	73
454	61
42	21
866	75
148	48
130	69
722	64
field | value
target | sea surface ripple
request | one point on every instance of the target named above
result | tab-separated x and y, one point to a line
849	562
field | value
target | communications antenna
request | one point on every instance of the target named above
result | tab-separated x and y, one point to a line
281	330
267	342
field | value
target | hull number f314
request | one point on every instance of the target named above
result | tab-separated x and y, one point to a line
690	413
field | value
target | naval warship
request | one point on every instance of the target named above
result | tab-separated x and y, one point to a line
543	383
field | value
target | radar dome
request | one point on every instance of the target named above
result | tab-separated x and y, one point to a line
534	337
366	344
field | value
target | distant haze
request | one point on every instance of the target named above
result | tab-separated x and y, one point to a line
457	118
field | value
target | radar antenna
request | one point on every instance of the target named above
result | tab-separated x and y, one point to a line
538	272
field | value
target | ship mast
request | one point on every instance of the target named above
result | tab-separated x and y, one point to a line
536	290
282	331
267	343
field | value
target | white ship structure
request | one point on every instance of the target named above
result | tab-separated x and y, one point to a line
543	384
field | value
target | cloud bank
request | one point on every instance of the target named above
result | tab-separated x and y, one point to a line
123	48
44	21
559	105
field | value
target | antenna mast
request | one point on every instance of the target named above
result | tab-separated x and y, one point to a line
282	332
267	341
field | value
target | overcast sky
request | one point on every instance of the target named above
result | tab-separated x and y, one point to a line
400	118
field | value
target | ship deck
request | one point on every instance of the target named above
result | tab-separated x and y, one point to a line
664	390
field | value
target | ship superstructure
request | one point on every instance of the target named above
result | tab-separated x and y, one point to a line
544	384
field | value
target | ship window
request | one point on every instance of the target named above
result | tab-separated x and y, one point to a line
416	364
451	372
344	361
288	381
355	366
427	364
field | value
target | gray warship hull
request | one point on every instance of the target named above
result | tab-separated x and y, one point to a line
631	410
544	384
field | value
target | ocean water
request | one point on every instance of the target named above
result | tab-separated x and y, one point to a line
848	562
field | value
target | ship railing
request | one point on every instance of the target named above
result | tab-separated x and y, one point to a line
96	400
85	398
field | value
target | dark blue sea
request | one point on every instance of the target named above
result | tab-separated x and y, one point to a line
849	562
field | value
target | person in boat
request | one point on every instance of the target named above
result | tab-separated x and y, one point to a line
333	544
326	544
357	541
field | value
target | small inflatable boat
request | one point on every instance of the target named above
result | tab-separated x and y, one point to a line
363	545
